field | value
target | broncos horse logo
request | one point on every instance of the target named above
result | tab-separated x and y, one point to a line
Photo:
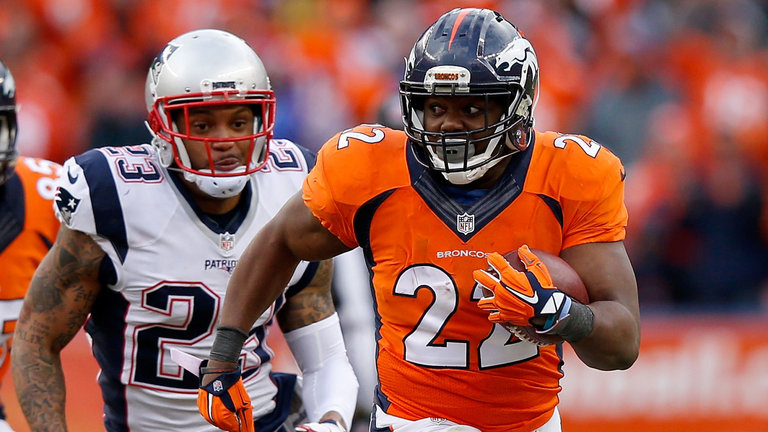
518	59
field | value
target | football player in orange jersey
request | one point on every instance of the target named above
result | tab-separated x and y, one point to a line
28	225
430	206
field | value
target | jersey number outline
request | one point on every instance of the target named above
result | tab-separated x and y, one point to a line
142	171
495	350
282	158
46	184
591	148
377	137
150	367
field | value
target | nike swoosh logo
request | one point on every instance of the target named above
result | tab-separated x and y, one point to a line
72	179
529	299
623	174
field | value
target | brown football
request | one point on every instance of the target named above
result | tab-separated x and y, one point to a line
564	278
563	275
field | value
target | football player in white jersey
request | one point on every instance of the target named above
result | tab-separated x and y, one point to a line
150	235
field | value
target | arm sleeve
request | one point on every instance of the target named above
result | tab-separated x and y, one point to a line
329	383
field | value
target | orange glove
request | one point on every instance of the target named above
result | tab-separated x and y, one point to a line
225	403
522	298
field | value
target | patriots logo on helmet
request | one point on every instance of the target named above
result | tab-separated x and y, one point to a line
159	62
66	203
517	59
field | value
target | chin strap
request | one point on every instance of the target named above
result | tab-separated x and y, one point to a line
219	187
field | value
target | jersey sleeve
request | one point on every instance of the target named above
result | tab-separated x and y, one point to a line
352	168
586	181
596	213
318	195
87	200
72	203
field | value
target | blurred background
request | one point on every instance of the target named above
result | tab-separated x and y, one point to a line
678	89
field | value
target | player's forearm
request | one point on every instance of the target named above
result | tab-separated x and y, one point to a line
261	275
329	382
59	298
39	382
614	342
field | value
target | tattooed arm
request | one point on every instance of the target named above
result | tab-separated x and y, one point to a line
59	299
329	390
311	304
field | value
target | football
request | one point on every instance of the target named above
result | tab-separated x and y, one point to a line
564	278
563	275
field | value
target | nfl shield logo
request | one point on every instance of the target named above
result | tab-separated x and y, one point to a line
465	223
227	241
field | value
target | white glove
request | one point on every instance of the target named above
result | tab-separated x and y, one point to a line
325	426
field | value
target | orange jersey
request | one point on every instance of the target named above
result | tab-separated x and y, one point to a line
29	228
437	353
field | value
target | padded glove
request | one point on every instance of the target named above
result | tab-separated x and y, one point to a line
225	403
521	298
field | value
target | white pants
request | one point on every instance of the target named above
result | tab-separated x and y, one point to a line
397	424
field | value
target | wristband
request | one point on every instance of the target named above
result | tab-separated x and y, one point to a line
578	324
228	344
216	370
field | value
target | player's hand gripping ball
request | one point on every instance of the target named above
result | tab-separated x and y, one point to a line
529	293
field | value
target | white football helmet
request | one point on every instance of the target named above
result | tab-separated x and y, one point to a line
200	68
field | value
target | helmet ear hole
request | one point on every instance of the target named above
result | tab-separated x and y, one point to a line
517	138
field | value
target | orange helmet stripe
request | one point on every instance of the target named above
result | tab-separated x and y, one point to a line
456	25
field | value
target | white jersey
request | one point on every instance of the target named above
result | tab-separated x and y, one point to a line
170	265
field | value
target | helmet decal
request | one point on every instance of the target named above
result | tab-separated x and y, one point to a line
517	60
160	60
456	25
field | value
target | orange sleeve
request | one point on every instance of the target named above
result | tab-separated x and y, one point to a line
318	196
353	167
602	217
587	180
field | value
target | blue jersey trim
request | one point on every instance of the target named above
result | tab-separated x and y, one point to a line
309	156
107	211
305	279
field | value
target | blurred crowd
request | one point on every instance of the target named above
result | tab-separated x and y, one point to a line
677	88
